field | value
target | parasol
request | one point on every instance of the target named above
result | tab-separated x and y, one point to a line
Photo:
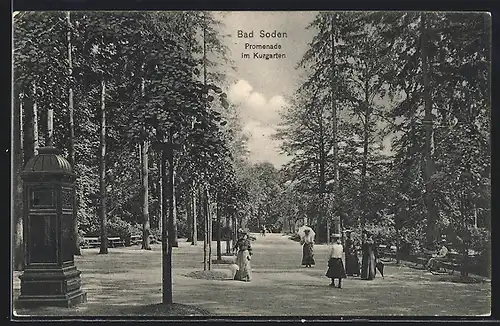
302	231
380	267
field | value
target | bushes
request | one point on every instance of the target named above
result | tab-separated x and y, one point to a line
115	226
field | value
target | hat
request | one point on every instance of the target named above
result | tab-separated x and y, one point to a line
347	231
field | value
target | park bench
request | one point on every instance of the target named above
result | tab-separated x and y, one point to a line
91	242
135	239
453	261
421	258
94	242
450	263
387	252
115	242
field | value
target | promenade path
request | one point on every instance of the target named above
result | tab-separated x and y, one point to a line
128	279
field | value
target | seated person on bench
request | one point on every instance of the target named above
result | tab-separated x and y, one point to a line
431	264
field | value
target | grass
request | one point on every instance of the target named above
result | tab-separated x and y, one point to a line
209	275
127	282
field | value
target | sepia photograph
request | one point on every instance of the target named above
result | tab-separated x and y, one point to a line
245	164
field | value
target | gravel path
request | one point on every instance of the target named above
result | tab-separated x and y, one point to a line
127	281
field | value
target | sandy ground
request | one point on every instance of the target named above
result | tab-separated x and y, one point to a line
127	281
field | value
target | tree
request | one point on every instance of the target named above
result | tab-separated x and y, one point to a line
102	170
72	125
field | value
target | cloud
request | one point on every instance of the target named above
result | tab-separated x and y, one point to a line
254	105
260	118
239	92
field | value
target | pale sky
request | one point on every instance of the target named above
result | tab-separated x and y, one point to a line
260	87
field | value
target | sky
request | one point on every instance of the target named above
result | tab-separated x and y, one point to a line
260	88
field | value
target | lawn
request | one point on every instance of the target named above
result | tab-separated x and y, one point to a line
127	281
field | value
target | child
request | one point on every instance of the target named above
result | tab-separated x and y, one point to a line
335	263
233	268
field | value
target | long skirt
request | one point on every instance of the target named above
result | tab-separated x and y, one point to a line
243	262
307	254
335	268
368	266
351	264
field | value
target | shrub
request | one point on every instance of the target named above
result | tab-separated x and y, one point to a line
156	233
115	226
480	240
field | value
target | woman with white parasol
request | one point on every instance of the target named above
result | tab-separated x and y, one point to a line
244	248
307	241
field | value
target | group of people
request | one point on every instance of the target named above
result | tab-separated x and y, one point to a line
367	270
336	269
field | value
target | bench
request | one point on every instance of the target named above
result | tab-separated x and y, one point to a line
135	239
387	252
421	258
91	242
450	263
115	242
94	242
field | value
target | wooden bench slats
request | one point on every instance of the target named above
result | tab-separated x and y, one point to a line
92	242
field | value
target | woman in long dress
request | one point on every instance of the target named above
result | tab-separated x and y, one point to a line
335	264
351	256
307	249
243	257
368	265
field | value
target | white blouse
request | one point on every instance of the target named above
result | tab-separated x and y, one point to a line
336	251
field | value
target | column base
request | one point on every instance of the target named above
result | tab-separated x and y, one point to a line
68	300
51	287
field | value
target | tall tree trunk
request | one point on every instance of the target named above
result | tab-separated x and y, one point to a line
160	196
72	162
175	242
29	142
431	234
228	241
234	225
34	121
464	214
189	214
166	226
364	163
323	218
102	171
209	226
203	203
17	185
49	141
206	238
333	92
146	227
196	210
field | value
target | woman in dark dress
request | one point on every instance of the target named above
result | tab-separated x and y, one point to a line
351	256
335	264
307	249
368	265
